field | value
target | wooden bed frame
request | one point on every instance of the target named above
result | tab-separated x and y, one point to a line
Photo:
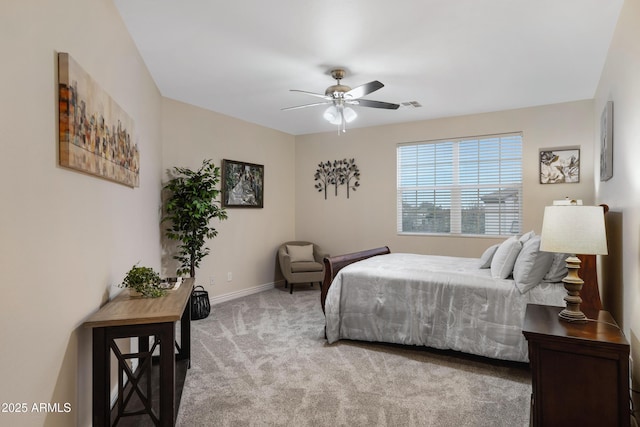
590	293
335	263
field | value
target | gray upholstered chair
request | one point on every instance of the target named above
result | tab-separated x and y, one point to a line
301	262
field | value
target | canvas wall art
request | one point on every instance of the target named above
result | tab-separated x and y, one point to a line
606	142
560	166
95	134
242	184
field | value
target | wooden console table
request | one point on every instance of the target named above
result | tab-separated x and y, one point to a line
144	319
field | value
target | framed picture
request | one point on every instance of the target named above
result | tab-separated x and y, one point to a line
95	134
606	142
242	184
559	166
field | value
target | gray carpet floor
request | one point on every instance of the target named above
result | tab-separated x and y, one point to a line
262	360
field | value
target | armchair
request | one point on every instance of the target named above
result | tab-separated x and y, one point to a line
301	262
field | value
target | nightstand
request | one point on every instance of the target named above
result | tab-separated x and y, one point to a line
580	371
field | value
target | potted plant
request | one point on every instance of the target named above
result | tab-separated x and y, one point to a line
191	205
144	281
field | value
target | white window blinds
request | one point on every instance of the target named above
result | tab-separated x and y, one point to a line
469	186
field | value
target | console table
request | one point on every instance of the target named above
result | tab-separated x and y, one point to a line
580	371
152	392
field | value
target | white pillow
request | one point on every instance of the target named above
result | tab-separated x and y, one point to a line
558	269
531	265
526	236
505	258
487	256
299	253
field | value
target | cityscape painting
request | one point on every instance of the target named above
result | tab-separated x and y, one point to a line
95	134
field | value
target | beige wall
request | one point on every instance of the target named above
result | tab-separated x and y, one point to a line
65	237
620	83
247	240
368	218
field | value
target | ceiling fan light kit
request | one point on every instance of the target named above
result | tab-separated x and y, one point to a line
340	96
334	115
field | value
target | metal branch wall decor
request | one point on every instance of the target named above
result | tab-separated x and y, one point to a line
337	173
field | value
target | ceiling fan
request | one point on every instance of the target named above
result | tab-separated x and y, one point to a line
340	97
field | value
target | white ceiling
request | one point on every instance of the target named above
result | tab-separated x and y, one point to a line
455	57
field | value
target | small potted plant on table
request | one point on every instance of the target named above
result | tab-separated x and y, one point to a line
143	281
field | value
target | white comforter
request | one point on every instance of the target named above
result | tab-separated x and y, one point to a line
436	301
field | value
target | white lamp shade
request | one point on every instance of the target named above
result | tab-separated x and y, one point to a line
574	230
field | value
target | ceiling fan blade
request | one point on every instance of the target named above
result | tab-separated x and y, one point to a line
363	90
318	95
307	105
374	104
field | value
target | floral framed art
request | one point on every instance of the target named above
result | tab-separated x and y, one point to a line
559	166
242	184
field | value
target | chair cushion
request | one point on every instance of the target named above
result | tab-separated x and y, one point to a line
304	266
299	253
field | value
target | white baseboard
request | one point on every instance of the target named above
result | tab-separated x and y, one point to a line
242	293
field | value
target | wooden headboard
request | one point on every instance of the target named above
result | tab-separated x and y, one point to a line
590	292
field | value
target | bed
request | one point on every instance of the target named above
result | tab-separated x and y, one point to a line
437	301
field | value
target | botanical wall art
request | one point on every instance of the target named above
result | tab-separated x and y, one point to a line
559	166
242	184
95	134
334	174
606	142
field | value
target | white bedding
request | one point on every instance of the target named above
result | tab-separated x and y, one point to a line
435	301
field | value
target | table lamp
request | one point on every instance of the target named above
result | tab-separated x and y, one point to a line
573	229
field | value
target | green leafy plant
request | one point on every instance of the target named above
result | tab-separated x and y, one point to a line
192	204
143	280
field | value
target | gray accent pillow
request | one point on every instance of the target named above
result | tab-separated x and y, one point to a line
505	258
558	269
531	265
526	236
487	256
300	253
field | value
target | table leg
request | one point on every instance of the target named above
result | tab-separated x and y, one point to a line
185	334
167	374
101	376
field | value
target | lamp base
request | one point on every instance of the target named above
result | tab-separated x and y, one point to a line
572	316
573	284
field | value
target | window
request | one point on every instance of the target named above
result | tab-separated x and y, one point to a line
464	186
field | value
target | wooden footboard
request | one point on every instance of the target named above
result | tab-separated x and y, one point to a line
334	264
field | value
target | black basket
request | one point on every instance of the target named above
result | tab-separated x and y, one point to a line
200	305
